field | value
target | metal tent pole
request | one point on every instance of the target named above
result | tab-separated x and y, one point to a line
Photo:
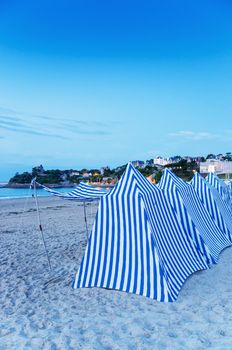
86	224
39	223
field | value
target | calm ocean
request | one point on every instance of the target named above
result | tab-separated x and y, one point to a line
8	193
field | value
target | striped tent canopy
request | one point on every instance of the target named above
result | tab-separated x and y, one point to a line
230	192
220	185
137	244
230	189
194	217
83	193
213	202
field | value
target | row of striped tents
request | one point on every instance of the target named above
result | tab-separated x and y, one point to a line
83	192
220	185
209	239
219	210
138	244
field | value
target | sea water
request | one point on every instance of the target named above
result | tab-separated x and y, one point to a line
8	193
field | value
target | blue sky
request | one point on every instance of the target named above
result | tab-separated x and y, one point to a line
87	84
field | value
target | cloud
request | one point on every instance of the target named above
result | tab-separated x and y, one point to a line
16	125
50	126
74	121
8	110
195	136
30	131
12	122
6	118
87	129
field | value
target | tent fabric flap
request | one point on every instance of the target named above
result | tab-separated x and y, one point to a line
83	192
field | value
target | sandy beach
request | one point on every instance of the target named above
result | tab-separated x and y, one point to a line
40	310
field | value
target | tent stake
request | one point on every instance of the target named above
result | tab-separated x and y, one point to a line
39	223
86	225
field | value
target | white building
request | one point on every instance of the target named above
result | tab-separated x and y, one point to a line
160	161
216	166
74	173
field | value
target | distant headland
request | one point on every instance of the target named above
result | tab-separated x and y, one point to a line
184	167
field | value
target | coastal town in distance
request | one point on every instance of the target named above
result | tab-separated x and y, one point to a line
184	167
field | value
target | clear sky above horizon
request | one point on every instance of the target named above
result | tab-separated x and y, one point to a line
88	84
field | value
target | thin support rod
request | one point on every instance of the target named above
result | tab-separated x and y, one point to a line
86	224
39	223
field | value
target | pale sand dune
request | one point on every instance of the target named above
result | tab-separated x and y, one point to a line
40	310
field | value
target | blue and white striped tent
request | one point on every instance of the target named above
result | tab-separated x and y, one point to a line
230	185
194	217
213	202
137	244
83	193
230	190
220	185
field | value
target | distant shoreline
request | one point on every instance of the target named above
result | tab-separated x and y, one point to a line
27	185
